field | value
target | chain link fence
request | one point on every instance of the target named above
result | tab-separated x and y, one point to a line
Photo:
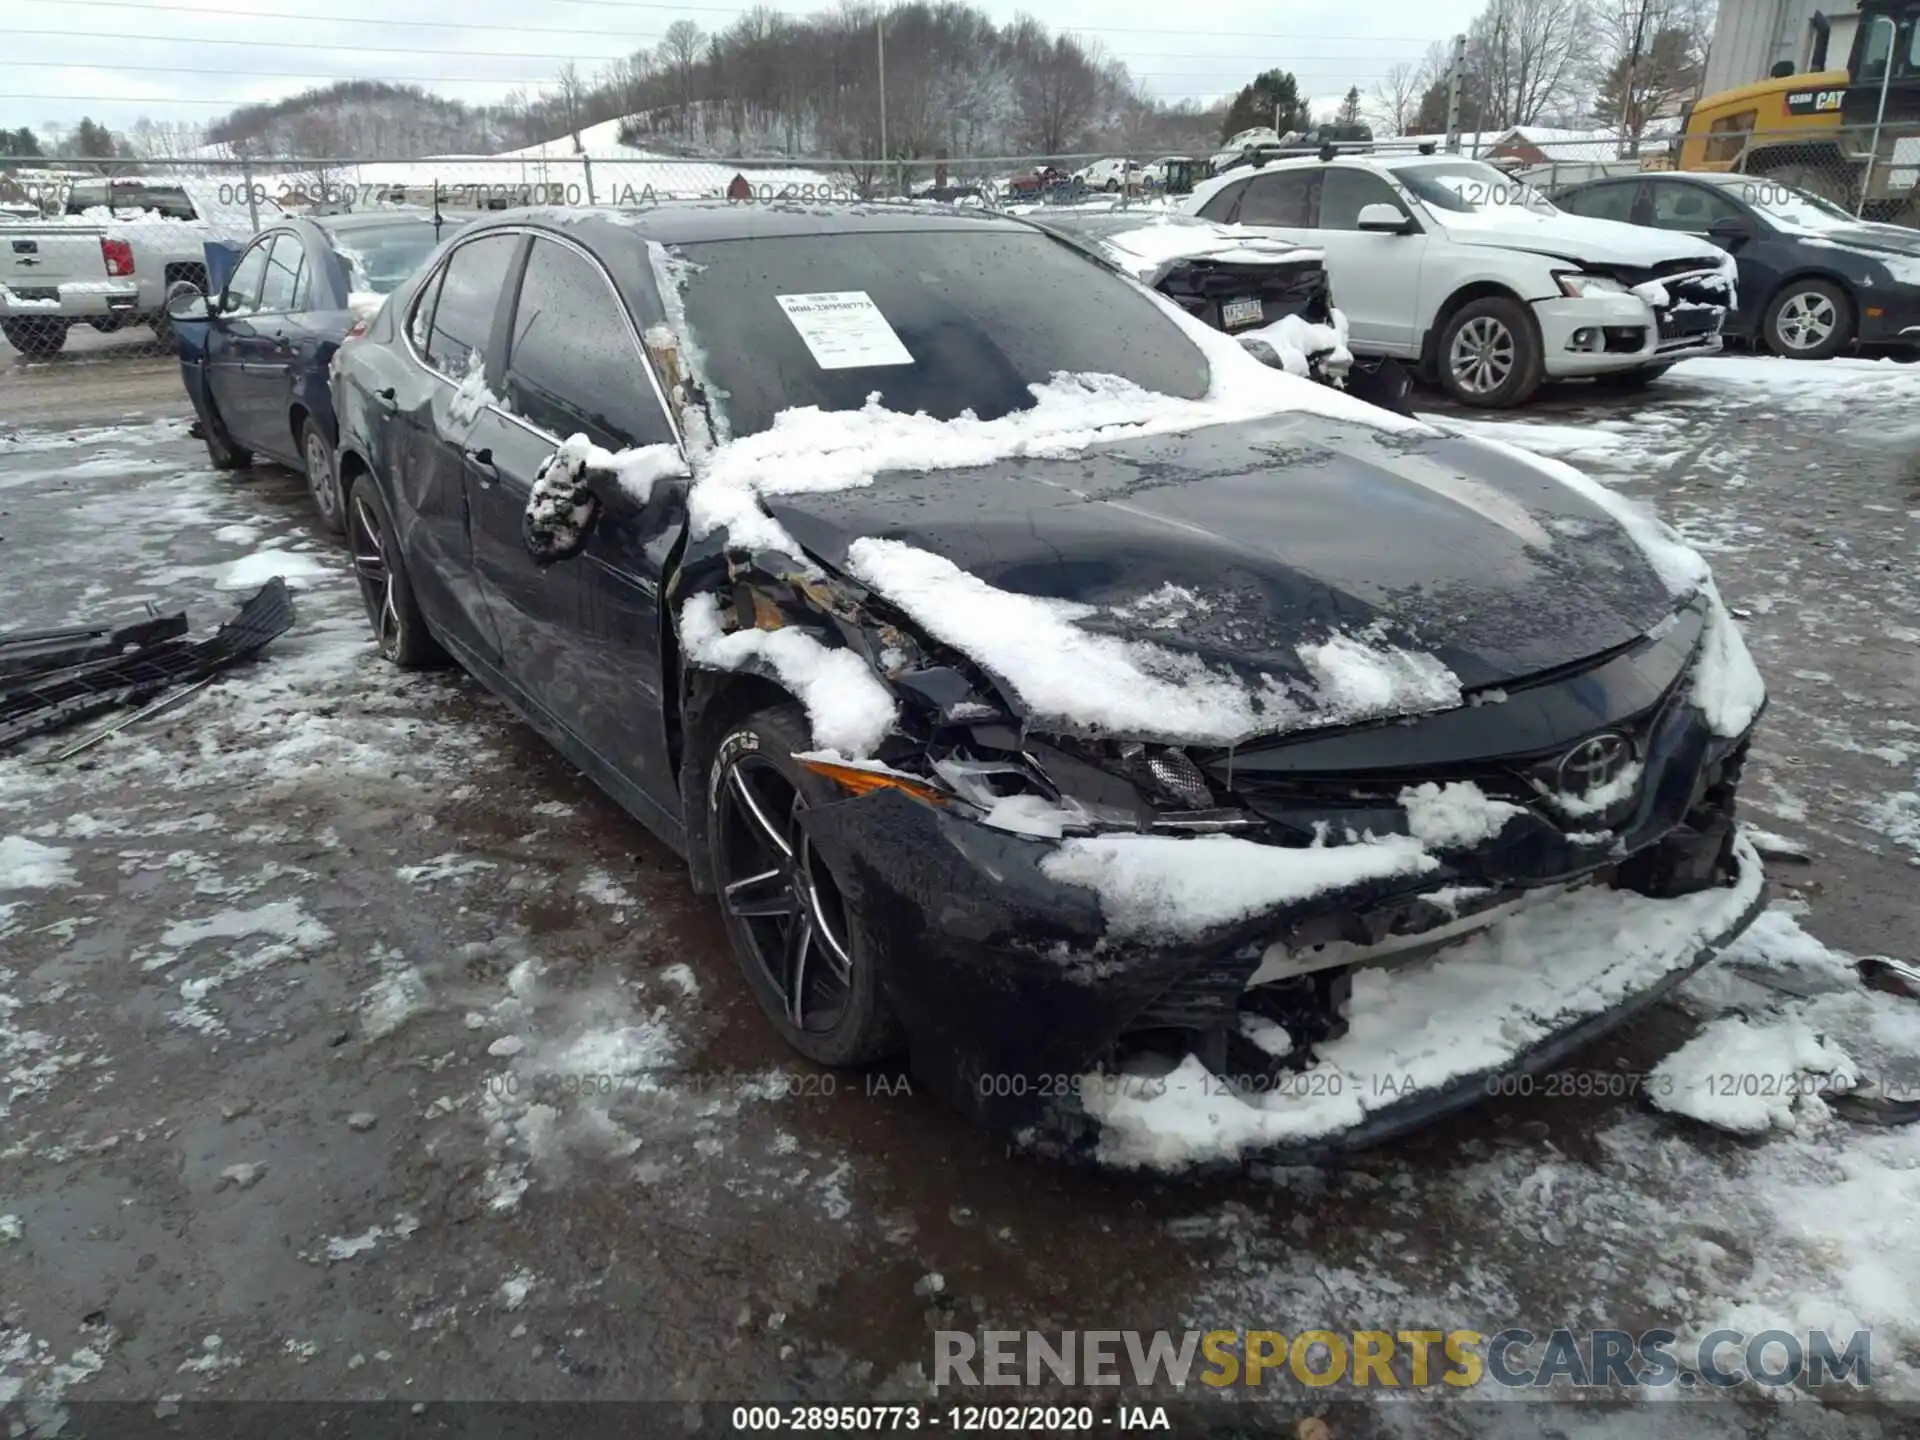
90	250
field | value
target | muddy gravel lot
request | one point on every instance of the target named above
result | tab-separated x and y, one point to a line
352	1046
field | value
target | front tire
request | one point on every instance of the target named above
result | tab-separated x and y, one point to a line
322	481
399	629
34	337
1808	320
1489	353
804	957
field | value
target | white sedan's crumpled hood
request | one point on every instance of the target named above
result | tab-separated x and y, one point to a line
1577	237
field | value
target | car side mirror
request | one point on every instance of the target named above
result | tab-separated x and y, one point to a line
1731	228
186	303
561	509
1380	218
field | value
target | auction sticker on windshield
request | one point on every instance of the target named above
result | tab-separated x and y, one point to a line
844	330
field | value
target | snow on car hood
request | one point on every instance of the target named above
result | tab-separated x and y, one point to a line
1574	237
1341	561
1239	580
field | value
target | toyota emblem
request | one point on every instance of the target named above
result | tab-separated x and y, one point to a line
1594	764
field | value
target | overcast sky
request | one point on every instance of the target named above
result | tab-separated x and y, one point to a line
117	60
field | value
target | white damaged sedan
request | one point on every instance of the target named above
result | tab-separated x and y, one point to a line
1478	279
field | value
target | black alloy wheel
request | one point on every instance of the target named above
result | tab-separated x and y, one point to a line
399	630
789	922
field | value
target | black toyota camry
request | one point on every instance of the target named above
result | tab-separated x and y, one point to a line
1151	745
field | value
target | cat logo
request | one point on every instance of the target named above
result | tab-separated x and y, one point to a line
1814	102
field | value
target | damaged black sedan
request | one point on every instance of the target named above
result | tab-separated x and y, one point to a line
1174	758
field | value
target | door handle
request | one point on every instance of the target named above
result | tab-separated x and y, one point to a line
480	462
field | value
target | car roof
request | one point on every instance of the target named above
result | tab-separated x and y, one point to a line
373	219
683	222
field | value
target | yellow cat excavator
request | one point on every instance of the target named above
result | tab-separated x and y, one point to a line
1852	135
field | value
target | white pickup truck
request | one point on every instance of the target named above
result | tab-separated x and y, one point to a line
110	258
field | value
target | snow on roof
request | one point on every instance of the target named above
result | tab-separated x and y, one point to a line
1604	144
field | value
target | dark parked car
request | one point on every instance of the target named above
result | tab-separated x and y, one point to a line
1010	731
254	356
1813	279
1243	284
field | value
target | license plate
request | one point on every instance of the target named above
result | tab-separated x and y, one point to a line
1241	312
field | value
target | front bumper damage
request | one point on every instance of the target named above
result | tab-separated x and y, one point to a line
1027	1011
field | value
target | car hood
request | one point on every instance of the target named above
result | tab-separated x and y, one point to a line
1575	237
1886	239
1286	530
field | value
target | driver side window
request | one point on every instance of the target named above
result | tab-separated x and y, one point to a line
1602	202
1679	206
1344	192
1290	199
242	296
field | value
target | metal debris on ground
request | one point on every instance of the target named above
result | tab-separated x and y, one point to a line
52	678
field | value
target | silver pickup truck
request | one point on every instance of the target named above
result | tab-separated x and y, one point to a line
110	257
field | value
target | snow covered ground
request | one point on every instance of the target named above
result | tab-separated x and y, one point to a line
411	1068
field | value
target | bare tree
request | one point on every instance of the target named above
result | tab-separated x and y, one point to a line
1528	57
1648	56
679	53
569	96
1396	98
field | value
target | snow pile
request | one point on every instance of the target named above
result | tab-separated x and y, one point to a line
636	471
1749	1078
250	572
28	865
1362	676
1456	815
471	395
1081	680
560	506
1474	1007
1726	684
1292	341
364	305
850	710
1159	887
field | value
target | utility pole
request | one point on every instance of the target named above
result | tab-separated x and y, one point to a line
1627	100
880	40
1454	74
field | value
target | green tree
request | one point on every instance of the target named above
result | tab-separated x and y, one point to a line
1349	111
20	143
94	140
1272	99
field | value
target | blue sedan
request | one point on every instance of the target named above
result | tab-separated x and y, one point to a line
255	354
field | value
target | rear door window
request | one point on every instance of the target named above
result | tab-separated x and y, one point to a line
476	274
283	274
243	286
1289	199
572	364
